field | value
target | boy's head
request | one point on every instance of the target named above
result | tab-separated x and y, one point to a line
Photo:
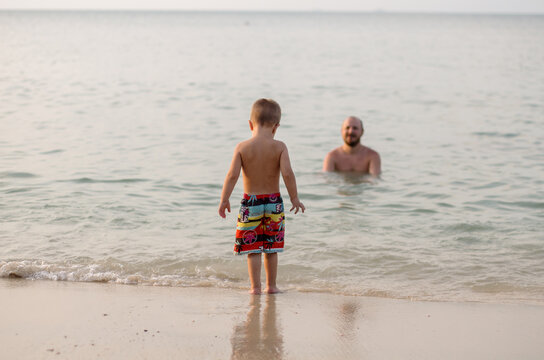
265	112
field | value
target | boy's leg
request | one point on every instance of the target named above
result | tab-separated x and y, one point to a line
254	270
271	269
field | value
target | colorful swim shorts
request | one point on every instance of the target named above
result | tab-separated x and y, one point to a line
261	224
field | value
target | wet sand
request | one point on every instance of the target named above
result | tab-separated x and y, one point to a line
65	320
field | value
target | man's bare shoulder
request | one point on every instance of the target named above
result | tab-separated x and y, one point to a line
335	152
331	159
371	153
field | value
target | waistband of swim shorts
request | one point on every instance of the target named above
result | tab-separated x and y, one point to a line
263	196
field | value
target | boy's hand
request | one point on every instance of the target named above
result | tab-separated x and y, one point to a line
224	205
297	205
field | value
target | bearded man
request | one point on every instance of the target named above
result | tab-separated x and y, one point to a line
353	156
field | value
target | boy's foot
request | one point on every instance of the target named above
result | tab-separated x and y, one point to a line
273	290
255	291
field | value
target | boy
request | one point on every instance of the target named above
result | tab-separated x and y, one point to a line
261	222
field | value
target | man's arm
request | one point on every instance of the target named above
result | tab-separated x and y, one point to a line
328	163
230	181
375	167
289	180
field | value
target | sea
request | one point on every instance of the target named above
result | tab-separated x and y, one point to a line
117	129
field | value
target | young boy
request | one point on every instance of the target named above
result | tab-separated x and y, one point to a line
261	222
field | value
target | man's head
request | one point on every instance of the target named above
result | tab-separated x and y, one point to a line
352	130
265	112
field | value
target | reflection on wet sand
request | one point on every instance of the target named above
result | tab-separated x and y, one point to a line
347	320
347	330
253	340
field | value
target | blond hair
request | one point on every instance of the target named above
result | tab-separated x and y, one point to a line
266	112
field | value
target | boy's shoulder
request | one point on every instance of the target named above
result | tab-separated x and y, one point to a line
256	143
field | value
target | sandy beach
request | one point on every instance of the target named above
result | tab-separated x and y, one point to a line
65	320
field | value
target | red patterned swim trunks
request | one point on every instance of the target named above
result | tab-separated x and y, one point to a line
261	224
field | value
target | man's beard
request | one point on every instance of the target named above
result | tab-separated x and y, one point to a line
352	143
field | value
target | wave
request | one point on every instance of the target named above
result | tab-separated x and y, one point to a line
198	276
109	272
202	275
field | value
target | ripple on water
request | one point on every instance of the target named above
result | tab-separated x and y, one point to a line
428	195
17	175
490	185
468	240
468	228
51	152
423	211
495	134
508	204
86	180
528	204
17	190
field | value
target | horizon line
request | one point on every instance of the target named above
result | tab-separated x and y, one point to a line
376	11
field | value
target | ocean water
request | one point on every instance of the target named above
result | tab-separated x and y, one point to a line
117	129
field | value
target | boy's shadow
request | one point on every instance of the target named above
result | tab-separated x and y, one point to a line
252	339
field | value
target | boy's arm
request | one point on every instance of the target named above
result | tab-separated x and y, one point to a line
289	180
230	181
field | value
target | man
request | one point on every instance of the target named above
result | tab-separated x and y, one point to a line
353	156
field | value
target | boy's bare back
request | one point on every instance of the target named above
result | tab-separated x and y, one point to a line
261	159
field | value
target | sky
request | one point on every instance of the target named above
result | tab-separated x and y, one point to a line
457	6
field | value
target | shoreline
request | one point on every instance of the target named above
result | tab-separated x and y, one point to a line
66	320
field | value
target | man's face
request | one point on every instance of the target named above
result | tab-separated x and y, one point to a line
352	131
